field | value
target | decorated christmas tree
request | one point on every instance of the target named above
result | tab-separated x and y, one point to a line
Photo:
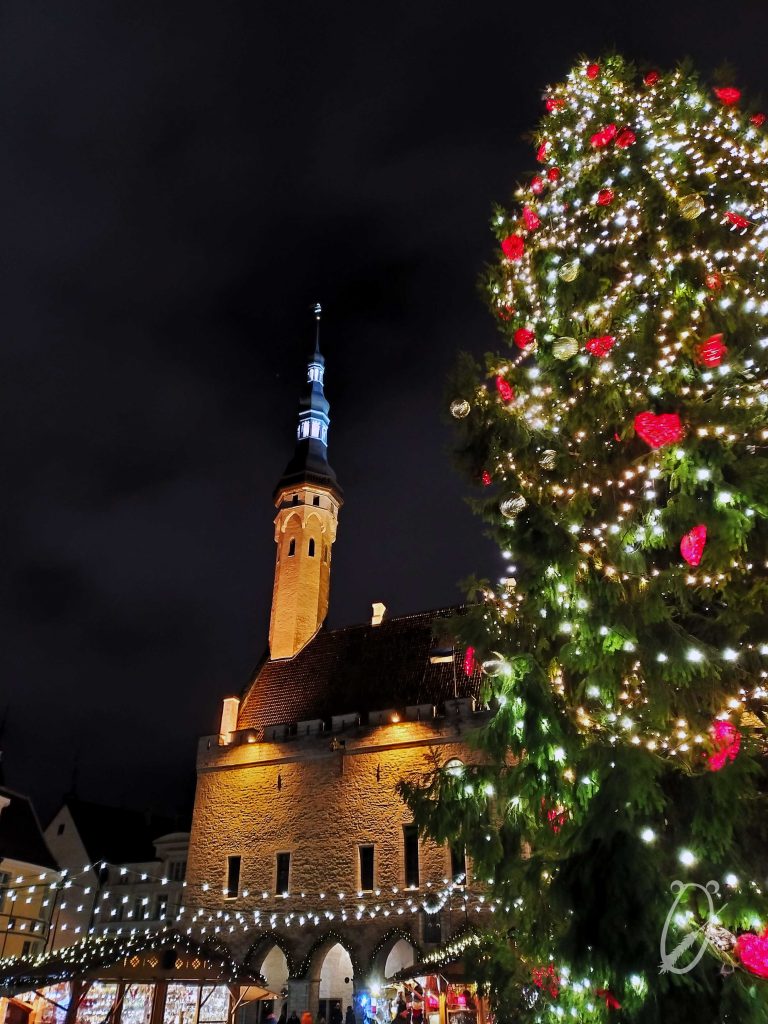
620	448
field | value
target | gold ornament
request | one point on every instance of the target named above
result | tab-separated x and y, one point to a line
547	459
460	408
569	271
565	348
511	507
691	207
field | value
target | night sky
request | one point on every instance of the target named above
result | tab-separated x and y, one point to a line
181	181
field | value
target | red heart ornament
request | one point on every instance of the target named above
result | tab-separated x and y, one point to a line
752	950
657	431
693	543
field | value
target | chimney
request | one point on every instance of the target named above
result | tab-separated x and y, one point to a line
228	719
379	610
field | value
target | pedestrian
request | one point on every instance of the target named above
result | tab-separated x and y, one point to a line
306	1018
337	1017
283	1015
294	1018
349	1017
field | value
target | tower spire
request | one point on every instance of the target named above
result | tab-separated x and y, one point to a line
308	499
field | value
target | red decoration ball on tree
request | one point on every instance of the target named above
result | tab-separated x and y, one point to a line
710	352
513	247
651	77
554	103
592	71
714	281
605	197
625	138
505	389
693	543
486	478
537	185
757	119
530	218
542	153
726	741
553	173
524	337
600	346
604	137
728	95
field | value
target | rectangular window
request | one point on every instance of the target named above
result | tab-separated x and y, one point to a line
458	865
411	850
176	870
233	877
366	868
283	872
161	907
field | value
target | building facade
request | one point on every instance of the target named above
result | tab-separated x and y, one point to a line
28	879
123	870
302	857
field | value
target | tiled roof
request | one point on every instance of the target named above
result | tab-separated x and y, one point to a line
360	669
21	837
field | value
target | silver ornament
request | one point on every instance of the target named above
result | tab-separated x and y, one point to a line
460	408
691	207
547	459
569	271
512	506
565	348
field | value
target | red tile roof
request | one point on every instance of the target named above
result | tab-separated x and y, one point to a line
360	669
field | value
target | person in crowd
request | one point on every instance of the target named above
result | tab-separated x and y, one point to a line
349	1017
294	1018
306	1018
337	1017
282	1019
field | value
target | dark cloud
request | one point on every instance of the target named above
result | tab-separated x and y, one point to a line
181	180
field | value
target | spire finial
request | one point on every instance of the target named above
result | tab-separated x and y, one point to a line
318	314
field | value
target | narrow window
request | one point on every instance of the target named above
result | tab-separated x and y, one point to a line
161	907
325	552
432	930
60	829
366	868
316	500
311	547
233	877
411	850
292	546
283	872
458	865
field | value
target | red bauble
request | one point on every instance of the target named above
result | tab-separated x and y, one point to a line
505	389
736	219
604	137
486	478
710	352
530	219
593	70
626	137
728	96
651	78
726	740
752	950
601	346
758	119
714	281
657	431
537	185
524	337
553	173
554	103
693	543
542	153
513	247
605	197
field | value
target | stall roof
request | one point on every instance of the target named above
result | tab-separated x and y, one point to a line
125	956
446	961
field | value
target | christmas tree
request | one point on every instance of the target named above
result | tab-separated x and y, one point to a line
620	446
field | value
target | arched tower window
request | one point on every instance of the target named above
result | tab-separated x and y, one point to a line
292	546
311	547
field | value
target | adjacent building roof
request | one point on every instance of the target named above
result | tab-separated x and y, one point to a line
118	835
21	837
404	661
